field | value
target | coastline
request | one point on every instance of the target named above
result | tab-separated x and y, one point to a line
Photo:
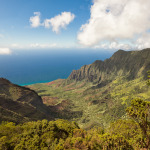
35	83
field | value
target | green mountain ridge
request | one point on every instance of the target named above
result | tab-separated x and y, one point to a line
99	93
133	64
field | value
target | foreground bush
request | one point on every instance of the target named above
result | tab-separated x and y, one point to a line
57	135
128	134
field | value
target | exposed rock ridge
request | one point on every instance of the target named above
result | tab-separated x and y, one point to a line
131	64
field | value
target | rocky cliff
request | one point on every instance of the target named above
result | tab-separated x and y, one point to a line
131	64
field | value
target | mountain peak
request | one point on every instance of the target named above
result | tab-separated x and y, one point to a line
122	63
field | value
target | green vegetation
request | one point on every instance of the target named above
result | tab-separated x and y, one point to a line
64	135
96	94
89	105
140	112
99	93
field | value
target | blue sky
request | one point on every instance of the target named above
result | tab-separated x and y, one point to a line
15	26
82	24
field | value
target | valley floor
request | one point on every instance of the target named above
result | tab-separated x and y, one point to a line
88	104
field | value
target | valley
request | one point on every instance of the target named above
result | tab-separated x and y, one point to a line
99	94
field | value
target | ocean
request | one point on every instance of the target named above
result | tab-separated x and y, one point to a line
25	67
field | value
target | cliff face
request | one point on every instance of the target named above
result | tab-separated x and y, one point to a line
20	104
131	64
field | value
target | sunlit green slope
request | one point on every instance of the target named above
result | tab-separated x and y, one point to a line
99	93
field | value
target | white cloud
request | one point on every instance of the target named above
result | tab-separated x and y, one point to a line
38	45
14	45
59	21
56	23
113	20
143	41
35	20
47	23
114	45
5	51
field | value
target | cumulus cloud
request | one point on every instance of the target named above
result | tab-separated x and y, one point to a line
143	41
35	20
5	51
59	21
116	45
113	20
56	23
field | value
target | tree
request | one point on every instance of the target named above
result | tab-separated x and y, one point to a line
139	111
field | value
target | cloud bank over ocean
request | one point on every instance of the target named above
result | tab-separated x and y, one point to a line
114	21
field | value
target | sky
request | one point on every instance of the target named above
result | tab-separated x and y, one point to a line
74	24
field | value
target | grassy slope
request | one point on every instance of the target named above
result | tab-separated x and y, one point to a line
99	106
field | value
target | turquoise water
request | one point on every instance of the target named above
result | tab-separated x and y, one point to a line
39	66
